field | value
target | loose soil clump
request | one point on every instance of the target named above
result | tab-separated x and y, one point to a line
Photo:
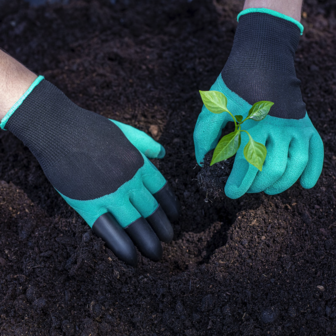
212	179
259	265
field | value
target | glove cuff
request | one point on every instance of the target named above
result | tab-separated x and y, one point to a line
273	13
19	102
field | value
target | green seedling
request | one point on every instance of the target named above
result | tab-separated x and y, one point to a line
254	152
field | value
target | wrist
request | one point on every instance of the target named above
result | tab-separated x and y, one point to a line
261	64
274	13
264	41
38	115
288	8
6	113
15	79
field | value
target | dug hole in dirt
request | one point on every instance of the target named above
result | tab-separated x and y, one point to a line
259	265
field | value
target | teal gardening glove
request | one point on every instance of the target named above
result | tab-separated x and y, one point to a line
100	167
261	67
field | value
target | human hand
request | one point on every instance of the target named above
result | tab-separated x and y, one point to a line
261	67
100	167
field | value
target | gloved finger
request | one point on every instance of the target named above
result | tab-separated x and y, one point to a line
121	241
168	201
137	227
116	239
296	163
109	222
243	173
144	202
274	165
314	167
161	225
160	189
120	236
143	142
207	132
145	239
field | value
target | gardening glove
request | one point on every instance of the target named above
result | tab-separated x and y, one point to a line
101	169
261	68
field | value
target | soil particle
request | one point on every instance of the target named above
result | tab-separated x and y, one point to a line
269	315
40	303
292	312
68	328
154	131
25	228
208	303
306	217
96	310
31	293
2	261
86	237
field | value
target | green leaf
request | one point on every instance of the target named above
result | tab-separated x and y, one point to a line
255	153
260	110
214	101
239	118
226	147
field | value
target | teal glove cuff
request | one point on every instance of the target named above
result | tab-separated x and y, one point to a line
19	102
271	12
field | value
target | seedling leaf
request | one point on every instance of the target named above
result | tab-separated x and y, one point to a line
214	101
255	153
227	147
260	110
239	118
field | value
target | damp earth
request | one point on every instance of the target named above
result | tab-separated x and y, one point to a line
259	265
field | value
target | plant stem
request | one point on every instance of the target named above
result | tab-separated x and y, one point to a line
234	119
246	133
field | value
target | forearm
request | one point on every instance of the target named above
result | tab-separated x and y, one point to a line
290	8
15	79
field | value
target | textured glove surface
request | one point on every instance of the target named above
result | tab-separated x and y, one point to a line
86	156
100	167
261	67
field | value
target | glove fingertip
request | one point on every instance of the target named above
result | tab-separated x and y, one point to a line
271	191
115	238
162	153
314	167
199	154
240	179
154	152
308	183
200	163
231	191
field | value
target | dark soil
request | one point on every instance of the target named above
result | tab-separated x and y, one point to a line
259	265
212	179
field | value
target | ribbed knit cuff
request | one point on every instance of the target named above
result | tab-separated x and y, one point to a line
274	13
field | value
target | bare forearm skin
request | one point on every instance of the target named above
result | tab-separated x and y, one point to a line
290	8
15	79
